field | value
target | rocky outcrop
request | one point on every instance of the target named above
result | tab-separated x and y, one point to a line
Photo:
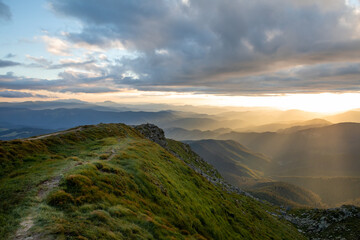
153	133
334	223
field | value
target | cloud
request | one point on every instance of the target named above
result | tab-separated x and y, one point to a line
89	90
5	63
234	45
5	13
69	81
333	77
11	81
56	46
39	61
16	94
90	64
10	55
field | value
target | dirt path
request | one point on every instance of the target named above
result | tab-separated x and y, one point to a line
25	225
112	155
23	232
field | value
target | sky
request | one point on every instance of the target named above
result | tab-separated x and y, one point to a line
289	54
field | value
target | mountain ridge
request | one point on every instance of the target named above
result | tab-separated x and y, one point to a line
109	182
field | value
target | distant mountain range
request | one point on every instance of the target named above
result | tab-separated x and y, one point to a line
326	151
186	134
210	121
63	118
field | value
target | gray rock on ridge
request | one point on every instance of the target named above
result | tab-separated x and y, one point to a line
153	133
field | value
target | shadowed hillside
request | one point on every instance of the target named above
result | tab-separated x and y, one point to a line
244	168
233	160
285	194
325	151
334	191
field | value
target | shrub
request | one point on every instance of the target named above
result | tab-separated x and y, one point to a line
60	199
73	158
83	189
104	156
120	211
77	182
100	216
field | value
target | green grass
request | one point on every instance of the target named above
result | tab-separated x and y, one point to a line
143	192
184	152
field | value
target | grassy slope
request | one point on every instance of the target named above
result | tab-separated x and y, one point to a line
281	193
114	184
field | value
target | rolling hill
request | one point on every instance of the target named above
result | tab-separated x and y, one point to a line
291	126
182	134
334	191
350	116
285	194
109	181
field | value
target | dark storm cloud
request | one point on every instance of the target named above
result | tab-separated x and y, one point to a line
220	45
15	94
5	63
4	11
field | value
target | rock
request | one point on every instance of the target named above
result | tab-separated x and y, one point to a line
153	133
